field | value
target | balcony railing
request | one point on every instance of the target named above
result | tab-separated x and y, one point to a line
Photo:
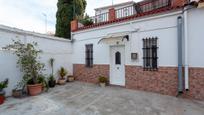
124	12
141	7
100	18
137	8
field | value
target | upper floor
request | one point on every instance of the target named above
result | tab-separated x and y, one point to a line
122	9
128	11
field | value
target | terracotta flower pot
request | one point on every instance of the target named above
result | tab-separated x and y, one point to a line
62	81
34	89
70	78
17	93
102	84
2	98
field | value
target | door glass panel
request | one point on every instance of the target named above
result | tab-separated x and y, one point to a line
117	58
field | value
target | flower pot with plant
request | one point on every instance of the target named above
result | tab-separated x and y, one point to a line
70	78
102	81
3	85
51	79
28	61
18	91
62	73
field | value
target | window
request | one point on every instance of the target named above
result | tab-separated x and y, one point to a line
89	55
117	58
150	54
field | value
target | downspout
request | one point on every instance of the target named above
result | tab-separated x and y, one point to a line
186	77
180	73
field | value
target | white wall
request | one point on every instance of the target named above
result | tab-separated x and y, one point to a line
52	47
196	37
165	28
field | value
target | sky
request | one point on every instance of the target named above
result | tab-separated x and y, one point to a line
31	15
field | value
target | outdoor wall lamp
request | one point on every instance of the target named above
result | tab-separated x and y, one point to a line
125	37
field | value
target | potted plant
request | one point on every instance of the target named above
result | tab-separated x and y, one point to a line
86	20
62	73
42	79
3	85
51	79
102	81
28	61
18	91
70	78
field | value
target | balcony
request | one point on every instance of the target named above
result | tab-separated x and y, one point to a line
136	9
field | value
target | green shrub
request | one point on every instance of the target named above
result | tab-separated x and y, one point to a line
62	72
86	20
102	79
51	78
4	84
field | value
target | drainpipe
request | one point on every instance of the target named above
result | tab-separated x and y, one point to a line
179	35
186	77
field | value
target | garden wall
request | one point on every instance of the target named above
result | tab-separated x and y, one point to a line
52	47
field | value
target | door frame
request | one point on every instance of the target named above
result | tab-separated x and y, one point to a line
111	62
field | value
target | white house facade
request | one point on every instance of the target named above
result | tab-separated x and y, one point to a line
153	45
157	49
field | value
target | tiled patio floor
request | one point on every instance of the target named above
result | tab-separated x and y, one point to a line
79	98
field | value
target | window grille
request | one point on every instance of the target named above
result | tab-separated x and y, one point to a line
150	54
89	55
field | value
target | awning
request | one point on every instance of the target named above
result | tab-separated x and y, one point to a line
115	38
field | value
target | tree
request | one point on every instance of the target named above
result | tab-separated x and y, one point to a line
28	61
67	11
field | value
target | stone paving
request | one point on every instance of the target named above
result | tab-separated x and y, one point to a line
79	98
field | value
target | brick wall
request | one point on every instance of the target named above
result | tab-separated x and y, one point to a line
111	14
90	75
176	3
163	81
196	84
74	25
